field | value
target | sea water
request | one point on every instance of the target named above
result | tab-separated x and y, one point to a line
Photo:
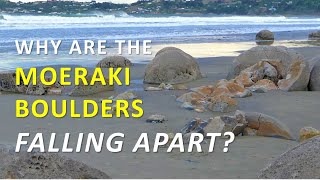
160	29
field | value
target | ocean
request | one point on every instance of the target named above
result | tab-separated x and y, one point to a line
159	29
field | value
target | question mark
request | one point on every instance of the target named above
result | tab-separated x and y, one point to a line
226	144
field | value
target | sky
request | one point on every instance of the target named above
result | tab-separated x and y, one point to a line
114	1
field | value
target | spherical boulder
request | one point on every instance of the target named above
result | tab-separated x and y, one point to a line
172	66
265	37
314	84
314	35
300	162
259	53
114	62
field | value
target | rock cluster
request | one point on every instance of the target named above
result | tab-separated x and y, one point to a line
219	97
300	162
172	66
35	165
261	77
241	123
265	37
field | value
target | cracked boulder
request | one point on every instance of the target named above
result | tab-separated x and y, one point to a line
300	162
314	84
297	78
267	126
36	165
259	53
172	66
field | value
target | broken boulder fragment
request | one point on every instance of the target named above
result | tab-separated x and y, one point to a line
156	118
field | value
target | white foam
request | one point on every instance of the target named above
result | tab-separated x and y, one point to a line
124	20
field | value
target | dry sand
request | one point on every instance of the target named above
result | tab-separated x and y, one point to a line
247	155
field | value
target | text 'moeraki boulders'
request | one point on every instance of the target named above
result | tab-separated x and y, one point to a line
173	66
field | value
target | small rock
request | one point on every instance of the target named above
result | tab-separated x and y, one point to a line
222	104
195	126
200	109
156	118
308	132
204	90
215	125
263	86
128	95
190	96
180	87
249	132
238	129
54	91
153	89
187	105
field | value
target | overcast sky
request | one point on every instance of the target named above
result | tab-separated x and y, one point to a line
114	1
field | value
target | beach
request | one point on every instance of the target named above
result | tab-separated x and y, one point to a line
246	157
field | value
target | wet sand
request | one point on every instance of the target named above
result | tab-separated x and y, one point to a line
246	156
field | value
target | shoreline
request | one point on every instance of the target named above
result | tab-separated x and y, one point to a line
197	50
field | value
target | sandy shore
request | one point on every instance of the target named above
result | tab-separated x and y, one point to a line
247	155
221	49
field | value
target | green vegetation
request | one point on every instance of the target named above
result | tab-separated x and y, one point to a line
240	7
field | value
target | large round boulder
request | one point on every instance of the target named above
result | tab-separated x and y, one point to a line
114	62
259	53
314	35
300	162
314	84
36	165
172	66
265	37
